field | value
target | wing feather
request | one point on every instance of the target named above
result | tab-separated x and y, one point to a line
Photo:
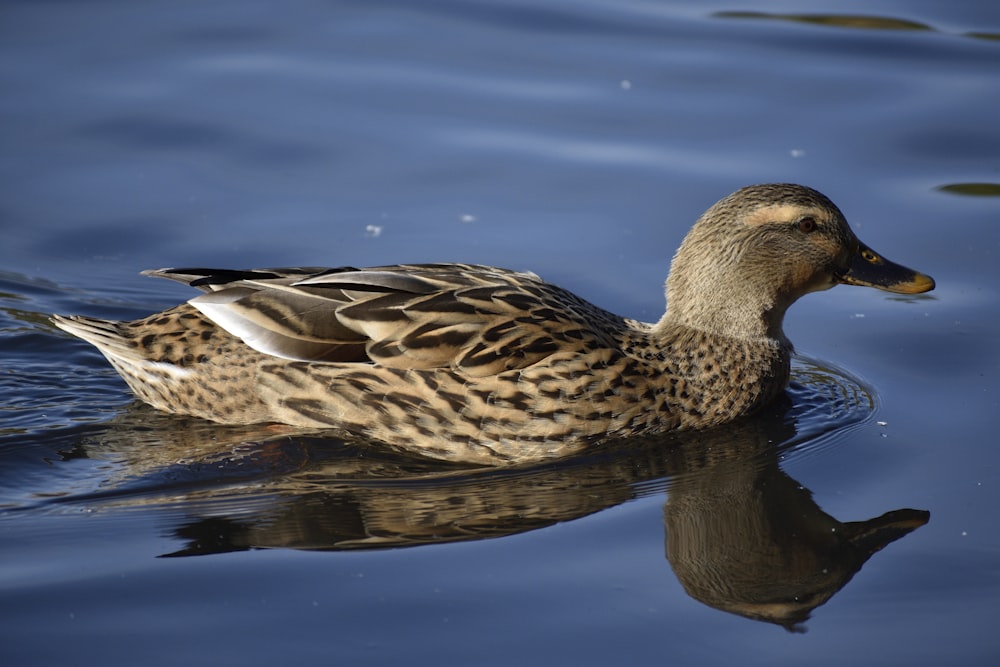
481	320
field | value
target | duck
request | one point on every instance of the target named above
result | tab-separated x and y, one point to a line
491	366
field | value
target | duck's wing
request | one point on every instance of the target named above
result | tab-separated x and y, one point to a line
212	280
482	320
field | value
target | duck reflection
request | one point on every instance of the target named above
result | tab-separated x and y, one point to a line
741	535
744	537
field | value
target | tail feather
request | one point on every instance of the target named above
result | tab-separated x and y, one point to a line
108	336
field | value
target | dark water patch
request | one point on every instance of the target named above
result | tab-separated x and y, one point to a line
176	135
224	33
952	145
158	133
835	20
972	189
521	18
990	36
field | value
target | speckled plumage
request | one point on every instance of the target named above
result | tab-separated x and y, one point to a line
487	365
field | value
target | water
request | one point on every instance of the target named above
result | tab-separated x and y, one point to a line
575	139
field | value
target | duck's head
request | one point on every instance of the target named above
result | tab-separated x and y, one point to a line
755	252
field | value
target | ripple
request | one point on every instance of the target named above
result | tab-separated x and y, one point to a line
827	402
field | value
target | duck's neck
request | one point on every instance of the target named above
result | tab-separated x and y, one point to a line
735	309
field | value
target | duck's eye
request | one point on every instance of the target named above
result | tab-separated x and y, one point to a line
807	225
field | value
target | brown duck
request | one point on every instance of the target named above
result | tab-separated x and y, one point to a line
486	365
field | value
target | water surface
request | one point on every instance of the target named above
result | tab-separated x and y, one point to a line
576	139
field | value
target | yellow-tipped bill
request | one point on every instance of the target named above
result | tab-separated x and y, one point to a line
867	267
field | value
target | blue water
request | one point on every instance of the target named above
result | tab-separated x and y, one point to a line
576	139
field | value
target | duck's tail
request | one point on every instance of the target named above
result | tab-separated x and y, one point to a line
159	382
108	336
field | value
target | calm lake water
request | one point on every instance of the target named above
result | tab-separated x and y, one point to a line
578	139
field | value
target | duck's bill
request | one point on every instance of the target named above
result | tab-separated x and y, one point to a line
869	268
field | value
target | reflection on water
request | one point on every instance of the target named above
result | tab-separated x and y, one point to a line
748	539
741	535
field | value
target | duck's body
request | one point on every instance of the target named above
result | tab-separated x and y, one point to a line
486	365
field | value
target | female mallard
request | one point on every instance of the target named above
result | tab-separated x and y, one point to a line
480	364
